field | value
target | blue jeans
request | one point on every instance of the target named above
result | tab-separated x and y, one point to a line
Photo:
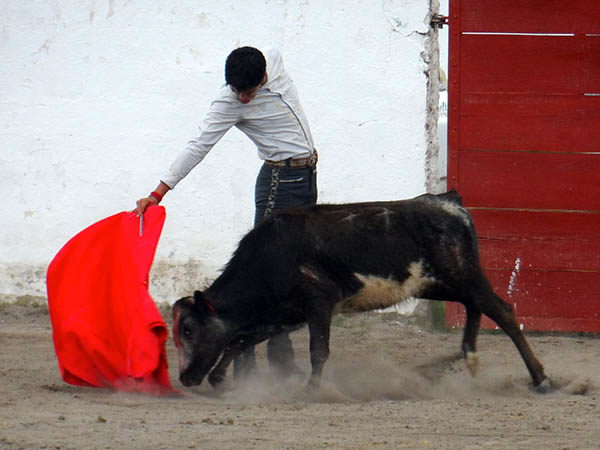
278	188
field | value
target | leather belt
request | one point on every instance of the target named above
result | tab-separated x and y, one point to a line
296	163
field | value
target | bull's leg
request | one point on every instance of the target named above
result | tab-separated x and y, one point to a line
244	363
469	342
217	375
280	354
320	294
502	313
319	325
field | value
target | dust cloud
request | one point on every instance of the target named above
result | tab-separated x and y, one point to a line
437	372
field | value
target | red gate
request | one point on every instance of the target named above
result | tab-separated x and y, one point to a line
524	153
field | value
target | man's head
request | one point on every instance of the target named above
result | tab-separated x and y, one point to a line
245	72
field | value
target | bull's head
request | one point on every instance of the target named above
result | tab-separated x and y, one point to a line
200	337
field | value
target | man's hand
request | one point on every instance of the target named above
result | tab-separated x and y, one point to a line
153	199
143	203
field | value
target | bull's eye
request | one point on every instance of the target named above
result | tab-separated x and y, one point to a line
187	331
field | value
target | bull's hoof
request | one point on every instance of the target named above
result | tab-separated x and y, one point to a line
544	387
216	378
312	385
287	371
472	360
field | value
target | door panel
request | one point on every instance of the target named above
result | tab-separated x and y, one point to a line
524	153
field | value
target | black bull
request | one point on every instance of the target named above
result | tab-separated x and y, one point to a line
306	264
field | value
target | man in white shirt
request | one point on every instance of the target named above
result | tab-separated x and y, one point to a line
260	99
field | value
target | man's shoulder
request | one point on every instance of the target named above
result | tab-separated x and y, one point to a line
272	53
225	92
225	99
274	63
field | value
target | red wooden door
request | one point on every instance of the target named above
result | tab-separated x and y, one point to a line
524	153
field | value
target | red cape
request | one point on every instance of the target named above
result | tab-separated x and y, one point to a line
107	329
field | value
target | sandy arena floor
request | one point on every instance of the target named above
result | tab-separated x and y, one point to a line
389	384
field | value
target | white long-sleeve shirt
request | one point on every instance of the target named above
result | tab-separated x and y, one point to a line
274	120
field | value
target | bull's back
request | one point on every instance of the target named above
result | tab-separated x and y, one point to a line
380	253
389	230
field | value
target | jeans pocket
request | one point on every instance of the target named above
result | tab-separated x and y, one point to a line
292	180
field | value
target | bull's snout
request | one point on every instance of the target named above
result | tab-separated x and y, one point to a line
188	380
185	380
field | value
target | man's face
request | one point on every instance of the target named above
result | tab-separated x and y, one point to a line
247	95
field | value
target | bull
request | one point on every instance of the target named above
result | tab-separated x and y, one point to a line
303	265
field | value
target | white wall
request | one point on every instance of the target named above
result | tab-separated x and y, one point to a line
98	97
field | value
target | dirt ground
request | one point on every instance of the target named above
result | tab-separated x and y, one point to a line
390	383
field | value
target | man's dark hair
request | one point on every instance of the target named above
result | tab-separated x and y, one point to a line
245	68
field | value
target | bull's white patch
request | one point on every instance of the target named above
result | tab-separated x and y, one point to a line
457	210
184	360
379	293
182	352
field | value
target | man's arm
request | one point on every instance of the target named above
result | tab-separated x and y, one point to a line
222	116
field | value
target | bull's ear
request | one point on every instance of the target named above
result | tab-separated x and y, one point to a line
198	296
203	305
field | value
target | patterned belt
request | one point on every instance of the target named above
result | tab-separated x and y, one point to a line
296	163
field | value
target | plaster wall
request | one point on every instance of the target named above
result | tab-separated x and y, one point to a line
98	97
